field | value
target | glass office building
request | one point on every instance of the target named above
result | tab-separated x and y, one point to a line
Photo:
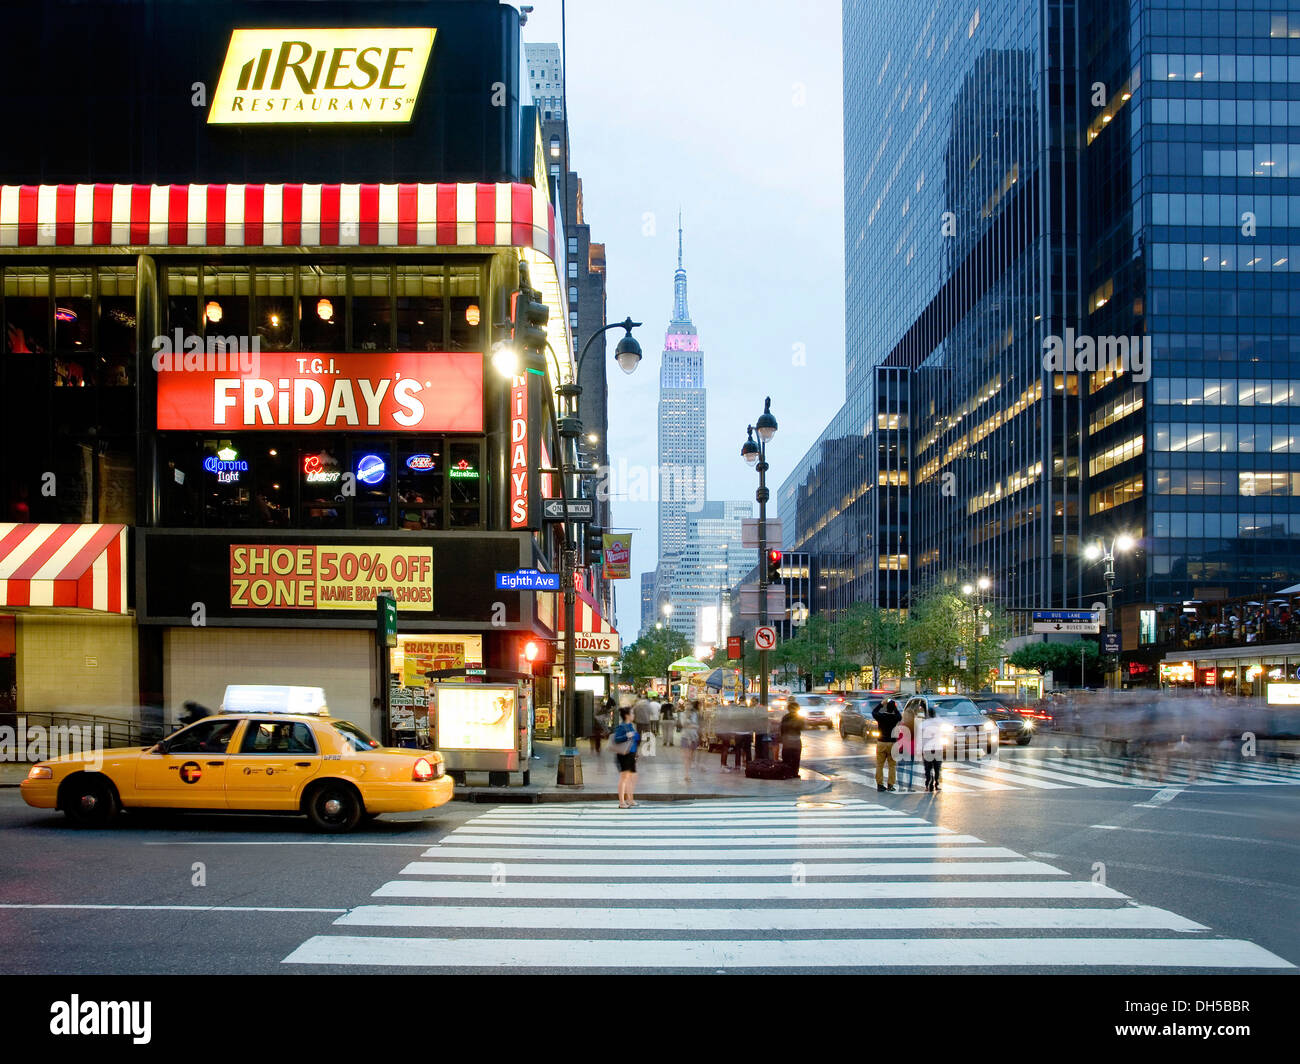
1082	215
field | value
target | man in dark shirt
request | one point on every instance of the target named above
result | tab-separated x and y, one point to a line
888	718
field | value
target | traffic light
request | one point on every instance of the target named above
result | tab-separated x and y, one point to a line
529	316
773	566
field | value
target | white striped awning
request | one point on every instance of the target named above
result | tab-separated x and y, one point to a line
63	565
507	214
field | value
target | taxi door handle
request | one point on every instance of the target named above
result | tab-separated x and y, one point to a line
216	762
302	764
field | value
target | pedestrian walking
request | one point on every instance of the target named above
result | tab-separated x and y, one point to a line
656	707
641	713
792	736
668	722
888	717
931	740
907	740
690	736
625	741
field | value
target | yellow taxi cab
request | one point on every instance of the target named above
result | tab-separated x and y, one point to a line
269	750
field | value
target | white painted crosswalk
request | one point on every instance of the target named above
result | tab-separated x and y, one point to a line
749	885
1060	770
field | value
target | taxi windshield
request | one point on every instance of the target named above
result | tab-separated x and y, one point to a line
958	707
355	737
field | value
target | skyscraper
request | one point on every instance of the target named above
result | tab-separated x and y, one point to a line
681	423
711	561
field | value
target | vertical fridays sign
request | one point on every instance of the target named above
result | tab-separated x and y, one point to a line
523	464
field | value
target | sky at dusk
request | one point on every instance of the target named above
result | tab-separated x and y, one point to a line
732	111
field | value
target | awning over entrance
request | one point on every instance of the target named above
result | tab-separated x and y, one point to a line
63	565
592	634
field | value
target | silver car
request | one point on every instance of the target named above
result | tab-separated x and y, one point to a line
964	728
815	711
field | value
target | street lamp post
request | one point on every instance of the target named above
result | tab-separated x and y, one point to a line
756	455
668	673
1122	543
627	354
969	590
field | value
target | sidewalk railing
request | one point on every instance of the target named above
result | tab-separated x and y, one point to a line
92	730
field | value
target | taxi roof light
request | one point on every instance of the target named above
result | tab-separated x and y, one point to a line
270	698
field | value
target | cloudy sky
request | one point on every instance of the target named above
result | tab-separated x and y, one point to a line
731	110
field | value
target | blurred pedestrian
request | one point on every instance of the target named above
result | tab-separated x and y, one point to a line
668	722
906	744
888	718
690	736
625	740
931	741
792	736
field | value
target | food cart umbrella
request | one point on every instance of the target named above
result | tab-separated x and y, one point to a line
688	665
717	679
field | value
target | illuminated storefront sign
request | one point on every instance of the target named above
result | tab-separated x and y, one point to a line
1284	694
227	465
1182	672
313	467
302	577
420	463
462	471
520	478
321	76
371	469
401	392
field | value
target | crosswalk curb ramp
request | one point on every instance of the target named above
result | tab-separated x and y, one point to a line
736	885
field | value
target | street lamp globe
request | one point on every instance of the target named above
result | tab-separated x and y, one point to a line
967	589
749	449
985	583
505	358
765	426
668	609
628	354
1125	542
1092	552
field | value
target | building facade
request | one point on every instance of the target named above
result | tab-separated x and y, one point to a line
246	379
709	564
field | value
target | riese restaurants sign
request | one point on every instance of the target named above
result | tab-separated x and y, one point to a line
321	76
401	392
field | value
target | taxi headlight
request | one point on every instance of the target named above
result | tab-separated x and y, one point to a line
1028	725
989	725
945	727
40	772
803	711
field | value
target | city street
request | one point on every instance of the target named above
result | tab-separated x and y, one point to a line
1037	862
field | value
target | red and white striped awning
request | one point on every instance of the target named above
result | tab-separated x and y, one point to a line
63	565
592	634
287	215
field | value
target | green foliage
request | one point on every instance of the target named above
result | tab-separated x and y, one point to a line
661	647
1055	657
941	628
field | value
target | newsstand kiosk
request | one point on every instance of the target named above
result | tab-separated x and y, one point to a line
482	725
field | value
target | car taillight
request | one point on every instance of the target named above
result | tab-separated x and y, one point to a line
423	771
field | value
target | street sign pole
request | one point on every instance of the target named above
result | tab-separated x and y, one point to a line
386	637
762	497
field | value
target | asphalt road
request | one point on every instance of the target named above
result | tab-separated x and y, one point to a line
218	894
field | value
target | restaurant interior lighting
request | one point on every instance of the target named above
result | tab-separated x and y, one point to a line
472	314
324	309
212	311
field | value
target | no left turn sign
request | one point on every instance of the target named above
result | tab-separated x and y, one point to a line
765	637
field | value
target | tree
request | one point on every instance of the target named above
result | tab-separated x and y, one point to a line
874	637
1055	657
648	658
817	649
941	630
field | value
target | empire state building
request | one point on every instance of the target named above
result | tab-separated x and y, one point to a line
681	426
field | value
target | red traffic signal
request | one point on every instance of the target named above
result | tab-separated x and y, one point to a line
773	566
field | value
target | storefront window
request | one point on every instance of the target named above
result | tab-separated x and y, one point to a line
420	316
116	343
420	471
468	320
73	335
273	472
27	310
372	310
371	464
227	485
275	306
463	478
225	301
322	308
183	300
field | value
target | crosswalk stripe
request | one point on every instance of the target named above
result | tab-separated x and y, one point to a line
809	890
1136	773
631	817
947	918
631	827
802	853
647	814
586	870
623	953
857	777
1001	772
637	843
1077	777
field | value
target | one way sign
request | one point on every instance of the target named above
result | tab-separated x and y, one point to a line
579	510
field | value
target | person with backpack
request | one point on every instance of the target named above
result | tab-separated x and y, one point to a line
624	742
888	718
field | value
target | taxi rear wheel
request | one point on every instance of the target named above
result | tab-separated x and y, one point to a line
89	802
334	807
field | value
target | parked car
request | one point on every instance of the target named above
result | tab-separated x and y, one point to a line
856	718
963	726
1012	726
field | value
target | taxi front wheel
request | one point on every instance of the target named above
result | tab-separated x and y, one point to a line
89	802
334	807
